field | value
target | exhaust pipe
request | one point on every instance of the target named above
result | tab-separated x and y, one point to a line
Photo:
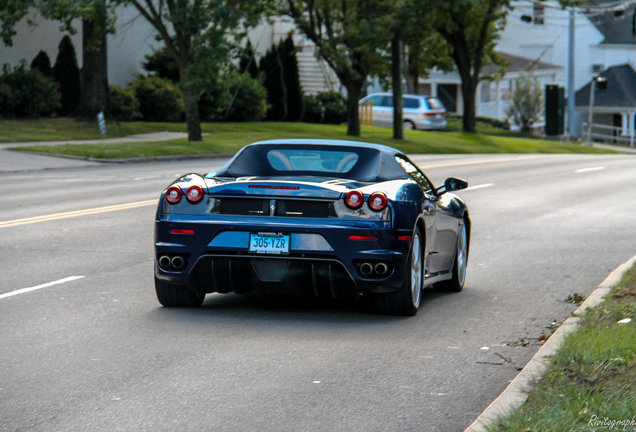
366	269
164	262
178	262
381	268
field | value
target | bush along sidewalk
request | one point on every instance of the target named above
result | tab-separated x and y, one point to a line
591	384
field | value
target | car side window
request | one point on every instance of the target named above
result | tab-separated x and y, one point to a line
415	174
387	101
411	103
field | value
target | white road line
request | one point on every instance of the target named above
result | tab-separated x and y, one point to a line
38	287
481	186
584	170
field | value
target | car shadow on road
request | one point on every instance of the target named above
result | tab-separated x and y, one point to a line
290	308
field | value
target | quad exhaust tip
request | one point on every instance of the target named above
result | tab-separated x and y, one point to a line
366	269
374	270
177	262
381	268
172	263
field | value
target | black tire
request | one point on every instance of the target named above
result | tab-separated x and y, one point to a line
409	125
176	295
456	283
406	301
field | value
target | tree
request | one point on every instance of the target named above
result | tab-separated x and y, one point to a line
349	35
199	36
470	28
526	106
94	61
247	60
272	71
295	104
161	63
67	74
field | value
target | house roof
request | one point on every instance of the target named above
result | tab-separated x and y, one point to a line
620	91
618	27
518	64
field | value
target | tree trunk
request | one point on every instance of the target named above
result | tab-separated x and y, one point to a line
94	70
469	87
193	120
354	90
396	73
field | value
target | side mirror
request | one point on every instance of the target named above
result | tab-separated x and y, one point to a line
451	184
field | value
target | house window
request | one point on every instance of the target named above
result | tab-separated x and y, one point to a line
506	90
485	92
538	14
598	68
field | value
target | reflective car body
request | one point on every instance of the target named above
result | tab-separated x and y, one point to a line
419	111
313	217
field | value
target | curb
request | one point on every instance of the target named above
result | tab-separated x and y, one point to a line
517	391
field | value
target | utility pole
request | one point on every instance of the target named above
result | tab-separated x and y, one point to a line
571	119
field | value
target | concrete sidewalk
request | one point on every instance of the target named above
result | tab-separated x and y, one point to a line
149	137
23	161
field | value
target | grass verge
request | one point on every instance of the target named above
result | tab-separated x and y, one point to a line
591	385
230	137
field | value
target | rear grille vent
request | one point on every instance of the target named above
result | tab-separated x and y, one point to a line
244	207
301	208
265	207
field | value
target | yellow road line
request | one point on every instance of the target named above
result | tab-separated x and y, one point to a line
76	213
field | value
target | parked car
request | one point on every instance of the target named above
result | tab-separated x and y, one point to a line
315	217
420	112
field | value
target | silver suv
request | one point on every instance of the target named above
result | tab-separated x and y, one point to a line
420	112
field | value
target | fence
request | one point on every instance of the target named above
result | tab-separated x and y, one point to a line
608	134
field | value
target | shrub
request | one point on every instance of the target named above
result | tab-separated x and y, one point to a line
526	106
42	62
123	103
335	105
67	74
25	93
326	107
314	111
248	99
159	99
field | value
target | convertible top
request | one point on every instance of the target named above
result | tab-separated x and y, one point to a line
369	162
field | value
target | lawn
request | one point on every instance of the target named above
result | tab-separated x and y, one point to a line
229	137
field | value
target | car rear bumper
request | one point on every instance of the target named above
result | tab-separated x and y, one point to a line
323	261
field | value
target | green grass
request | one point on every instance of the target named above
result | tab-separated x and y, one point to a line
58	129
591	384
230	137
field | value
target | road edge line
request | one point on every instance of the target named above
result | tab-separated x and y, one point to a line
517	391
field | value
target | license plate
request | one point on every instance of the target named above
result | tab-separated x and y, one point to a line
269	243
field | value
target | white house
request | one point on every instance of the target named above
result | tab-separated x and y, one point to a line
134	38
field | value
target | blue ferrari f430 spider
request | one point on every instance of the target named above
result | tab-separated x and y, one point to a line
312	217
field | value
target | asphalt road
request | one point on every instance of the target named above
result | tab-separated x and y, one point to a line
86	346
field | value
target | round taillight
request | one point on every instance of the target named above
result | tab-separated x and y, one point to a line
174	194
354	199
194	194
377	201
